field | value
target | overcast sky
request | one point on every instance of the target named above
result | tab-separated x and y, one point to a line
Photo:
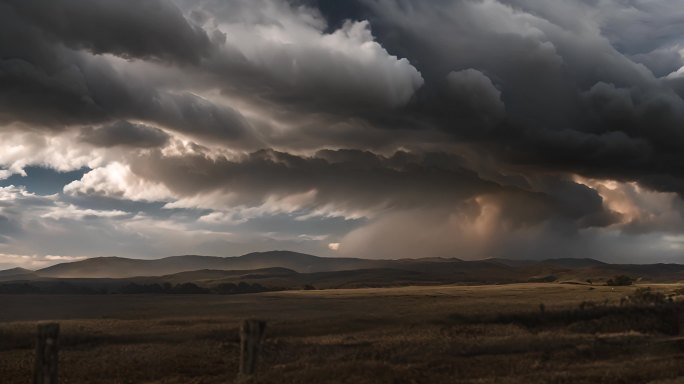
368	128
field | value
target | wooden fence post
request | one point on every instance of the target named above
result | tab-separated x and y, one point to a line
47	354
680	324
251	335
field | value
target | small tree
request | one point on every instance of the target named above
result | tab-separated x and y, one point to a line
226	288
620	281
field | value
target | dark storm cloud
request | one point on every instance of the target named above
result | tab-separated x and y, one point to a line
351	179
359	181
30	93
125	134
661	61
286	58
343	74
87	92
47	79
573	101
129	28
492	115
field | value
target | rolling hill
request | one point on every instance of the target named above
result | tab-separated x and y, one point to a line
16	273
290	270
119	267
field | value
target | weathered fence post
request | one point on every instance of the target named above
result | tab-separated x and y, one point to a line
680	324
679	340
47	354
251	335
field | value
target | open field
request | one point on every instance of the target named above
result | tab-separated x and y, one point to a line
439	334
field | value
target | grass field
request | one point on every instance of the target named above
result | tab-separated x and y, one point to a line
442	334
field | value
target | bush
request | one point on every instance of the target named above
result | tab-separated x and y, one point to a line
189	288
646	296
226	288
620	281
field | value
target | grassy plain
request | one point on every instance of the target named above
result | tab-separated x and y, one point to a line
438	334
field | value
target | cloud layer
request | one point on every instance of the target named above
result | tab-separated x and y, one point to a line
373	128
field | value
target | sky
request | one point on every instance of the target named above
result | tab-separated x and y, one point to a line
522	129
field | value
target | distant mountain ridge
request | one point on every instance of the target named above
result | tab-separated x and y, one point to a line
290	268
119	267
16	272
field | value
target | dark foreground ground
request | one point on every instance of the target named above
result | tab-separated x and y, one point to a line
446	334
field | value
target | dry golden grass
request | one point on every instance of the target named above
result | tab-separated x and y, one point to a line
387	335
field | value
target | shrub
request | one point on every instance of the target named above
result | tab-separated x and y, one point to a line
226	288
189	288
620	281
543	279
646	296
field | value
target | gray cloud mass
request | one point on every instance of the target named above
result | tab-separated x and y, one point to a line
405	128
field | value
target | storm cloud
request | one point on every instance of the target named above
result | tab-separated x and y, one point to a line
405	128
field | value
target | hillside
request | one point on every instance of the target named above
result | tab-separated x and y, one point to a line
291	270
16	273
118	267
